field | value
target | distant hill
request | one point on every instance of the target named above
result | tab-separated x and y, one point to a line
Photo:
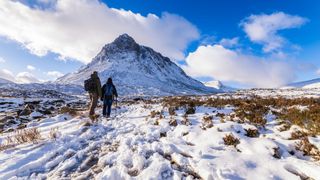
218	85
314	83
5	81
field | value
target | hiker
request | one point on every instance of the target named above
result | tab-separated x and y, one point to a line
93	86
109	91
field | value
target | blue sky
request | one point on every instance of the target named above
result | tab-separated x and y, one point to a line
242	43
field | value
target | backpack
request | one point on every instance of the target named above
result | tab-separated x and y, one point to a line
89	85
108	91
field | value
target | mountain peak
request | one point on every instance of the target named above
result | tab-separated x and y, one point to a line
125	42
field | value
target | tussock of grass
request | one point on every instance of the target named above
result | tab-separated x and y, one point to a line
231	140
308	148
250	132
21	136
207	122
54	133
68	110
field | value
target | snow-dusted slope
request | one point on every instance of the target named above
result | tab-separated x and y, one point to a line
5	81
13	89
314	83
137	70
220	86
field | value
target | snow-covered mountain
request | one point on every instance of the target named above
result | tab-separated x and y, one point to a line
314	83
137	70
5	81
218	85
14	89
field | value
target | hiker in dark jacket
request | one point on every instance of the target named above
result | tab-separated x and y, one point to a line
94	93
109	91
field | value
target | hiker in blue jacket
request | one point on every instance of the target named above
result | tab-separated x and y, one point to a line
109	91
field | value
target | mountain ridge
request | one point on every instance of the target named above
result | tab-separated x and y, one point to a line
137	70
313	83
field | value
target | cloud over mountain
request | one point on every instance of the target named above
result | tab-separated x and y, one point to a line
224	64
78	29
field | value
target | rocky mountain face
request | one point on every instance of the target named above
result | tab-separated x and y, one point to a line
137	70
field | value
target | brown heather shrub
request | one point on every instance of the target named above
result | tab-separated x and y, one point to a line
156	123
185	120
221	115
231	140
207	122
308	148
68	110
173	122
190	110
298	135
172	111
253	109
252	132
154	114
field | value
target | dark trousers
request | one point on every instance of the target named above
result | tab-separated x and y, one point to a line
107	103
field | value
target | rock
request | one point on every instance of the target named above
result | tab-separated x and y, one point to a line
2	126
27	110
7	118
21	126
36	115
11	122
5	103
45	111
34	102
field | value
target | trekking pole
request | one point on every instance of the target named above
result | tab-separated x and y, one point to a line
116	106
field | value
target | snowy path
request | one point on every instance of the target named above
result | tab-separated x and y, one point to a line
133	146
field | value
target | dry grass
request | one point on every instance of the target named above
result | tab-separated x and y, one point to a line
54	133
153	114
26	135
308	148
231	140
172	111
68	110
207	122
298	135
21	136
250	132
173	122
253	109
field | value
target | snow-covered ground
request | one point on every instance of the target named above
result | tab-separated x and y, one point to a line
138	143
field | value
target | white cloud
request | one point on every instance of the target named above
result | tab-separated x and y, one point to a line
263	29
227	65
55	74
31	68
2	60
22	77
6	74
79	29
229	42
26	77
318	72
